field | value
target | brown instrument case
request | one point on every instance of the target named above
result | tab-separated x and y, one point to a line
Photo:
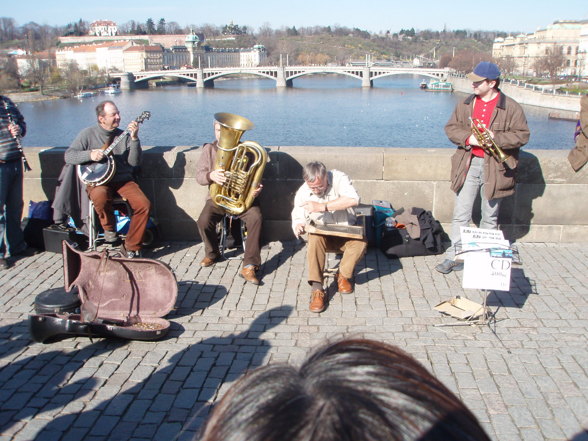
120	297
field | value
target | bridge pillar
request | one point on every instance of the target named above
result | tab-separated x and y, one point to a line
365	78
281	78
127	81
200	78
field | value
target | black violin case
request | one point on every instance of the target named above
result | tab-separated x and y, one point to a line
119	297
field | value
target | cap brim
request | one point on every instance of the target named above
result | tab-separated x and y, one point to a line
473	77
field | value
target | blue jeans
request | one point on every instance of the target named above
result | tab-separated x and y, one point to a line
464	204
11	205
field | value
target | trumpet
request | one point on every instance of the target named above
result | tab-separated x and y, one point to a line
486	141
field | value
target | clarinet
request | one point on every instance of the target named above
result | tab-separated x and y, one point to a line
25	163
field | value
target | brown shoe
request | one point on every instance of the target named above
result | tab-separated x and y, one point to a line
207	261
317	301
248	273
344	285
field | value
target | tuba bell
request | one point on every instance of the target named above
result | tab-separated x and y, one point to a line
242	162
487	142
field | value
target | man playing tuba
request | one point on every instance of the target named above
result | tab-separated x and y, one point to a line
474	169
212	214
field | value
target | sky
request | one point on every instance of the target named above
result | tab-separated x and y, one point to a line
372	15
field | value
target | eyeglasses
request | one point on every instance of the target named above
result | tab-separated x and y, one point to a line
318	186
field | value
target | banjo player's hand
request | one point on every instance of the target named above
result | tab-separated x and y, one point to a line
96	155
133	129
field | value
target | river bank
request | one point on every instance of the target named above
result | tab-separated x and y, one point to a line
29	97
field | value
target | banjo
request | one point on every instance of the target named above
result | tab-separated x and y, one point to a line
99	173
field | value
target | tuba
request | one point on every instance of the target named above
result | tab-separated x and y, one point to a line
486	141
243	163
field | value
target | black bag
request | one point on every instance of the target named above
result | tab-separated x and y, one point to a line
40	216
396	242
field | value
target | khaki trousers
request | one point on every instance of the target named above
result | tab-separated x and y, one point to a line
319	245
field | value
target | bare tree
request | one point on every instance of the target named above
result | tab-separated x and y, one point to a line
551	63
465	60
7	29
8	74
507	65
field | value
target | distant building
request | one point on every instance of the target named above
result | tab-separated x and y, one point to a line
105	55
176	57
25	63
141	58
241	57
525	49
103	28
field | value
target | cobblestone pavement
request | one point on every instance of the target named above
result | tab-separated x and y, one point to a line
525	376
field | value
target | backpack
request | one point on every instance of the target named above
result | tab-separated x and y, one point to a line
396	242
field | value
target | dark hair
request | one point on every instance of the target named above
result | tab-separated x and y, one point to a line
314	170
347	391
100	107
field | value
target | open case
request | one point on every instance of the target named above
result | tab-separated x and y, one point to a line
120	297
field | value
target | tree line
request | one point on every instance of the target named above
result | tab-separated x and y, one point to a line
319	45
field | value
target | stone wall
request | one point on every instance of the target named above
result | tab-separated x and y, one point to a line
548	205
528	96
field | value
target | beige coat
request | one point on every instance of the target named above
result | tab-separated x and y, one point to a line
578	156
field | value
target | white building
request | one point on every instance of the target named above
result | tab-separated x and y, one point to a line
103	28
252	57
526	49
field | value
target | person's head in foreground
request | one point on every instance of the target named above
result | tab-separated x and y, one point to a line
346	391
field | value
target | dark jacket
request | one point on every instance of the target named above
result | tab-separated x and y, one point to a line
578	156
509	125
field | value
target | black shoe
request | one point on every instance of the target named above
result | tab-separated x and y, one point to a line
27	252
3	263
447	266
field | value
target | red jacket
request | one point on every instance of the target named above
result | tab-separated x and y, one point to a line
509	125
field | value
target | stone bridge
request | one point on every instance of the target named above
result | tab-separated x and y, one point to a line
282	75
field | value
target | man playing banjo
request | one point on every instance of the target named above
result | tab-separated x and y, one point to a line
89	147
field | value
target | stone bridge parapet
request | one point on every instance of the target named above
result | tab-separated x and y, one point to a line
548	205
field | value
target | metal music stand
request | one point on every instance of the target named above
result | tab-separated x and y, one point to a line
489	259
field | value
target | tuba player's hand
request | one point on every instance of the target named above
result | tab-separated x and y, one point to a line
218	176
257	190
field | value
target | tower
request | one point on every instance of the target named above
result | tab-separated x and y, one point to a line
192	41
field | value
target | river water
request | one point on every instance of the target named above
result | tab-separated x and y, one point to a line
317	111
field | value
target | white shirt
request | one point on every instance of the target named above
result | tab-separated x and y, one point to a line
339	185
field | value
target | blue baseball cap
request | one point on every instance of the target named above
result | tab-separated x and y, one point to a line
484	71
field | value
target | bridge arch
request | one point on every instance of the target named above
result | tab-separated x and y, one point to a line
435	76
236	73
163	75
322	72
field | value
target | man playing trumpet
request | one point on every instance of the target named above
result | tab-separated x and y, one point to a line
474	169
327	197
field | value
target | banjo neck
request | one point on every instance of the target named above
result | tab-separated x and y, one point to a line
116	142
124	134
